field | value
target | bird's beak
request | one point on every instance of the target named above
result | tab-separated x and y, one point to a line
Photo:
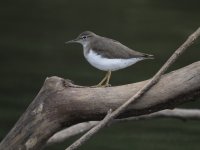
71	41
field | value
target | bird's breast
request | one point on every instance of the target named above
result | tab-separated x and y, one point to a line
108	64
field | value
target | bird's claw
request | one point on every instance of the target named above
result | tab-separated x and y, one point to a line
107	85
100	85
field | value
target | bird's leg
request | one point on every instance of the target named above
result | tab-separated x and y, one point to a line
108	78
102	81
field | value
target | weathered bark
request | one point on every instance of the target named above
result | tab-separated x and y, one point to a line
60	104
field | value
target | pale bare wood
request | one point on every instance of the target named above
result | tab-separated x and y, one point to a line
177	113
71	131
59	105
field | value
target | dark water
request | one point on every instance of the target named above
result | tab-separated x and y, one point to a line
32	47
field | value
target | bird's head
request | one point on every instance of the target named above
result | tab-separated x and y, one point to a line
84	38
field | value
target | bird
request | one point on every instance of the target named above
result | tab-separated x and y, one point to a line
107	54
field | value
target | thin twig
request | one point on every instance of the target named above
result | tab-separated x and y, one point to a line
139	94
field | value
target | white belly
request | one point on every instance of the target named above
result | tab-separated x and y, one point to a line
106	64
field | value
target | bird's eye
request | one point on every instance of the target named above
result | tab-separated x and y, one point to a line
84	37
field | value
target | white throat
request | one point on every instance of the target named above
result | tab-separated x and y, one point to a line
85	44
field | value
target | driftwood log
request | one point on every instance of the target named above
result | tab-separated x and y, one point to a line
60	104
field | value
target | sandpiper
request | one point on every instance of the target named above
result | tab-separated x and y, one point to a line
107	54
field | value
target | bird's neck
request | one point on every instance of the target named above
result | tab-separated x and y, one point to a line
86	48
85	44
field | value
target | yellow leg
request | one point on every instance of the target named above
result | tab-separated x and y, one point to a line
103	80
108	78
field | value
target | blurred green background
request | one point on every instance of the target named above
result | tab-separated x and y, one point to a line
32	36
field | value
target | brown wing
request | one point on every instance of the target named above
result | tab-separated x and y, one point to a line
114	49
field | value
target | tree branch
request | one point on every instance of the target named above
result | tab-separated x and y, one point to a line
60	104
177	113
57	106
139	94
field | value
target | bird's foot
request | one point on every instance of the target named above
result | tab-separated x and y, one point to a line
107	85
101	85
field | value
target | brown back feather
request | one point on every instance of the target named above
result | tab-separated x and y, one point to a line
114	49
